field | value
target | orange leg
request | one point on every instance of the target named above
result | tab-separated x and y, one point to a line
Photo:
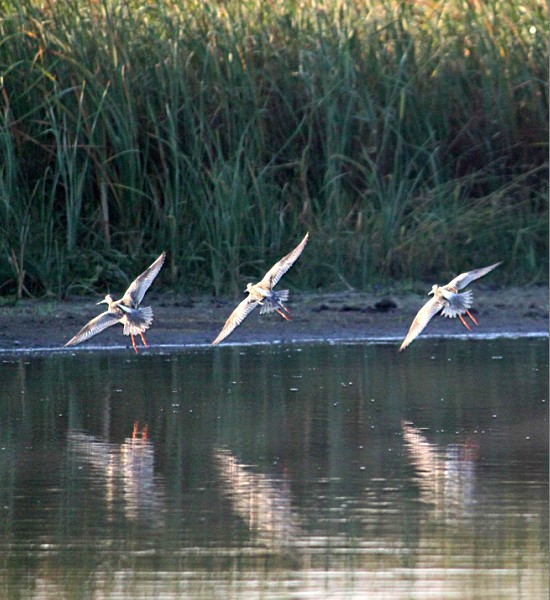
134	343
143	340
464	323
472	317
136	434
283	314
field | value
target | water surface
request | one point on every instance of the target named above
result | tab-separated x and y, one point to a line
277	472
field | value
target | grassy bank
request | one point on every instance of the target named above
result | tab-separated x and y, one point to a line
409	138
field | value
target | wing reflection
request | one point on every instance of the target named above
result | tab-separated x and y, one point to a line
125	469
262	502
446	477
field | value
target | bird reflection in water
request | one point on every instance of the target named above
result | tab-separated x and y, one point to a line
262	502
137	434
446	477
125	469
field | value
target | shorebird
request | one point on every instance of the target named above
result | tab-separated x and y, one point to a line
447	299
126	311
262	293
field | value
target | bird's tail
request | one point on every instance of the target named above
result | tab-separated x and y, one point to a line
458	304
274	302
138	320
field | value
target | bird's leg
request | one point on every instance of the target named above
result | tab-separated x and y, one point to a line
282	313
472	317
143	340
464	323
136	433
134	343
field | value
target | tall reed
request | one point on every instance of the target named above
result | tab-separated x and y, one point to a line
408	138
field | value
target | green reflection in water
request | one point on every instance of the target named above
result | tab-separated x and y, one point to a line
277	470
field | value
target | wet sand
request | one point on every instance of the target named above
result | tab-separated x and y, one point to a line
182	320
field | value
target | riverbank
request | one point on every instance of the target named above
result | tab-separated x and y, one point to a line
181	320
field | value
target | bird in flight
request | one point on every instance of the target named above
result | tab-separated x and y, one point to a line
126	311
262	294
447	299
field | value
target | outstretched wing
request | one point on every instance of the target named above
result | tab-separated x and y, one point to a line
431	308
462	280
236	318
95	326
134	294
272	277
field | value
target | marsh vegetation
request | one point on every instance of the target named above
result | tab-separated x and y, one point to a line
407	137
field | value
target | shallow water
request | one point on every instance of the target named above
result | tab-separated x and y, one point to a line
314	471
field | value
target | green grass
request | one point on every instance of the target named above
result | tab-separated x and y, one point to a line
408	138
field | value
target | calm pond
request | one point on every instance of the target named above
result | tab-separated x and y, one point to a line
312	471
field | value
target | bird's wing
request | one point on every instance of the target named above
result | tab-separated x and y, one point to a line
272	277
95	326
431	308
236	318
462	280
134	294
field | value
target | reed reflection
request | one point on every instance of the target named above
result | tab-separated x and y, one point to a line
269	472
262	502
446	477
125	470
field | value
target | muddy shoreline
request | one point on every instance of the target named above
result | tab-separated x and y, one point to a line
182	320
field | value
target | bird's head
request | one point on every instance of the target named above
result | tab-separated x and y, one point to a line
434	288
107	300
248	287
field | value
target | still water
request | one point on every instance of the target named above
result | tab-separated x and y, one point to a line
314	471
